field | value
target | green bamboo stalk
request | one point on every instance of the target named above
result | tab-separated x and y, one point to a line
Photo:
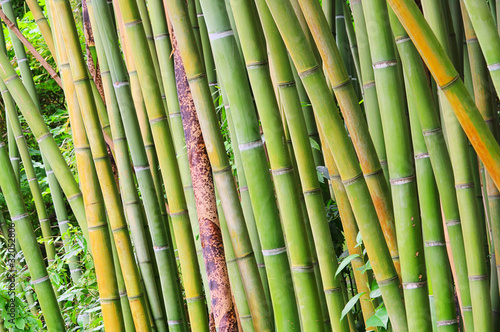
222	170
206	49
456	32
160	236
344	154
440	161
473	233
27	240
401	166
43	24
102	164
487	34
306	289
223	311
353	45
135	217
356	124
369	89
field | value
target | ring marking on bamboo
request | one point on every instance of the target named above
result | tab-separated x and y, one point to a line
128	203
414	285
384	64
97	227
450	83
369	85
479	278
286	84
342	84
273	252
453	222
132	23
133	72
135	297
389	281
434	243
468	308
174	322
40	19
421	156
220	34
261	265
141	168
196	78
158	119
244	188
311	191
222	170
40	280
118	229
174	115
101	158
196	298
22	60
251	145
199	15
32	179
447	322
432	131
471	40
43	220
309	72
178	213
495	196
212	84
120	84
15	158
245	317
352	180
281	171
335	176
189	186
494	67
367	175
161	36
464	185
63	222
81	80
5	91
44	136
257	65
19	217
161	248
122	294
49	172
401	181
332	290
119	139
2	144
75	270
305	269
4	1
339	17
241	258
108	300
82	148
402	39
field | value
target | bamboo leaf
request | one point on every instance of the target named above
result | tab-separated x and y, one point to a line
380	318
344	263
350	304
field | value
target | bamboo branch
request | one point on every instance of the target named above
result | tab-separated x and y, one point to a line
31	48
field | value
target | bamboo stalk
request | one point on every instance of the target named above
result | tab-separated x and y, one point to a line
43	24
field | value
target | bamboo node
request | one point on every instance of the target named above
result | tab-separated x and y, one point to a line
495	196
63	222
75	270
132	23
389	281
190	186
43	220
122	294
309	71
135	297
141	168
257	65
479	278
161	36
339	17
161	248
199	15
332	290
32	179
471	40
97	227
308	268
311	191
244	188
174	322
158	119
212	84
493	67
273	252
40	280
196	298
251	145
367	175
464	185
14	158
174	115
414	285
120	84
434	243
5	91
281	171
467	308
40	19
108	300
421	156
19	217
432	131
4	1
220	34
368	85
402	39
334	176
342	84
44	136
450	83
447	322
163	97
20	136
245	317
384	64
353	180
222	170
261	265
196	78
286	84
179	213
401	181
453	222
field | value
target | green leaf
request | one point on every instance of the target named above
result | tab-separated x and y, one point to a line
20	323
376	293
380	318
314	144
344	263
350	305
359	240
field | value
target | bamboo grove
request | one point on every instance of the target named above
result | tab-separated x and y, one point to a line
250	165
